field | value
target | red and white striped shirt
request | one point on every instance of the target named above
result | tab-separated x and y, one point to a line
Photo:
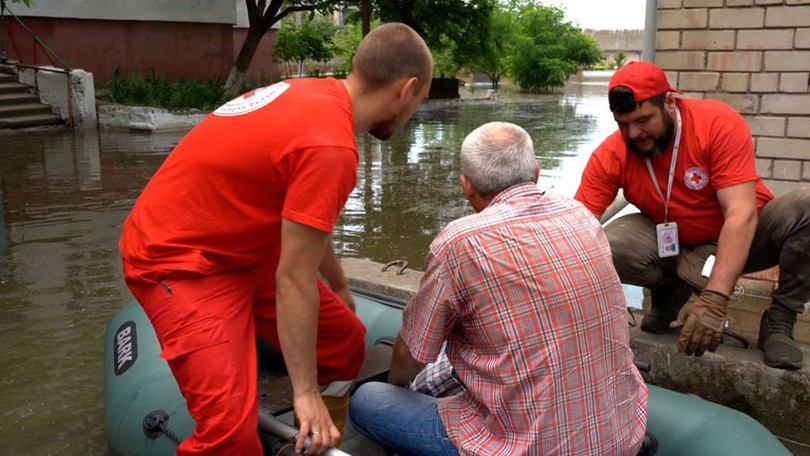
527	298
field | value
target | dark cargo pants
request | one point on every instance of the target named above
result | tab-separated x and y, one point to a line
782	238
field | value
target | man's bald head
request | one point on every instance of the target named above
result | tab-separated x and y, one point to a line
389	53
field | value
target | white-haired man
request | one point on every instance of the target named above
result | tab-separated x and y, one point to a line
525	296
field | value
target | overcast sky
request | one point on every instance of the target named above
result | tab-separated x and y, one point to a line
603	14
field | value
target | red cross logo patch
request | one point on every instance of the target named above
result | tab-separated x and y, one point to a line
251	101
695	178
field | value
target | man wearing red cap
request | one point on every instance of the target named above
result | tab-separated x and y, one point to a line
706	215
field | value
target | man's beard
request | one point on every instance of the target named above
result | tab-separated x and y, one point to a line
660	144
384	129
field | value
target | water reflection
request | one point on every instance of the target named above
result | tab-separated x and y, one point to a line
408	186
63	200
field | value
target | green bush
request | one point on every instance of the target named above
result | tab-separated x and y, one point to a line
134	89
547	50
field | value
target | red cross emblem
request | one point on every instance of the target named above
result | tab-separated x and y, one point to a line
695	178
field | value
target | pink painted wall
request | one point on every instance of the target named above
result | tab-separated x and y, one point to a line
178	50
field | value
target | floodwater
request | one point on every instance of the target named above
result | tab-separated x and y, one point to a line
63	200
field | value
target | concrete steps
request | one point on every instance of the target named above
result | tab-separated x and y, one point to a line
19	108
36	120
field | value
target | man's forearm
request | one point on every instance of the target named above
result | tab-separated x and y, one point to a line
330	267
297	322
732	252
403	366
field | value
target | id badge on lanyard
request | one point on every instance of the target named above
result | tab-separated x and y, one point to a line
667	235
667	232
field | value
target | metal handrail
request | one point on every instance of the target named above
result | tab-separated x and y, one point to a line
39	68
37	40
49	53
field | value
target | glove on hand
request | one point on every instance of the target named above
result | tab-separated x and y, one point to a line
702	321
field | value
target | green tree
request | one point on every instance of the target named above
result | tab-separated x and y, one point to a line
314	40
548	49
493	58
460	22
455	30
24	2
262	14
348	39
619	59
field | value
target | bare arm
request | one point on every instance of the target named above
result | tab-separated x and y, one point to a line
297	301
403	366
739	205
332	271
330	266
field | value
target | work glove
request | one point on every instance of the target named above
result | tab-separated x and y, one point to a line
702	322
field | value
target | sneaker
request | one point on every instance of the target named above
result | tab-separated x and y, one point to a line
776	339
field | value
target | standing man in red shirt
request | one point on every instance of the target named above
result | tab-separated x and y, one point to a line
226	242
525	296
689	167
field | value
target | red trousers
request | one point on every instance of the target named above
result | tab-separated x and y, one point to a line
207	327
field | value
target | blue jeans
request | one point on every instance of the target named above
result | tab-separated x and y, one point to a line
402	421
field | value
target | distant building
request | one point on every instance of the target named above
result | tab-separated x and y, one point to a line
613	41
197	39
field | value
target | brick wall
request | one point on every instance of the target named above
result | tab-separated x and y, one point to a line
755	56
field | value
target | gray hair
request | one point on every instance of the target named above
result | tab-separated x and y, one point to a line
496	156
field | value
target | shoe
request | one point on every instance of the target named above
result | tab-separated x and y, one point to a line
664	308
776	339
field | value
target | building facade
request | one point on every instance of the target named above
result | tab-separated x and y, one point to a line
181	39
631	42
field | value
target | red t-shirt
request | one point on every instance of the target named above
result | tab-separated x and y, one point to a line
716	152
283	151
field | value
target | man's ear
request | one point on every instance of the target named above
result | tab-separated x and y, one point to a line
466	186
669	102
408	88
536	171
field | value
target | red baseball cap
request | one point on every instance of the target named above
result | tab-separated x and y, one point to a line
645	79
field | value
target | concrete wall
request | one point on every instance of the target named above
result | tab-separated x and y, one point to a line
755	56
52	88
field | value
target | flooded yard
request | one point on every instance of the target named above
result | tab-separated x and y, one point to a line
63	199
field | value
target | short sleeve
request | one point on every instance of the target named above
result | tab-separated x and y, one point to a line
600	180
319	181
731	152
428	319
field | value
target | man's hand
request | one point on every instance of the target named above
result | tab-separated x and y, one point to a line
316	423
702	321
345	295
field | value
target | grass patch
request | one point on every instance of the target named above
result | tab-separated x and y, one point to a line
135	90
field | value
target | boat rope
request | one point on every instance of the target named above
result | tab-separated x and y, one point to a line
155	423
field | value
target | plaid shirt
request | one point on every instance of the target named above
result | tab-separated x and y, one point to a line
527	299
437	379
